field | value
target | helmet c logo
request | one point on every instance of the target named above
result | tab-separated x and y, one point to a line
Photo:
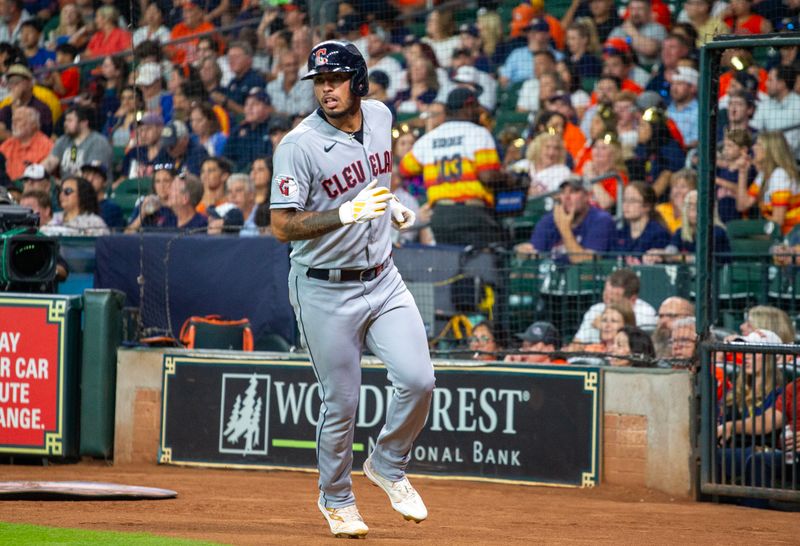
321	57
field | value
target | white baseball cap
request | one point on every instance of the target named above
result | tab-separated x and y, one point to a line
468	75
686	74
760	336
148	74
34	171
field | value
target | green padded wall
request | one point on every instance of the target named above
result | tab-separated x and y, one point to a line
102	334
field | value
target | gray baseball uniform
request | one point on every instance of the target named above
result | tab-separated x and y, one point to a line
317	168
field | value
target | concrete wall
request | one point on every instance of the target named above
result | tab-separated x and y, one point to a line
646	422
647	429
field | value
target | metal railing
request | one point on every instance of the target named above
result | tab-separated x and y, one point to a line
747	421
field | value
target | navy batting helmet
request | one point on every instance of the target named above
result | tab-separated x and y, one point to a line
339	56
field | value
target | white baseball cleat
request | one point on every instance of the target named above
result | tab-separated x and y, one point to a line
402	494
344	522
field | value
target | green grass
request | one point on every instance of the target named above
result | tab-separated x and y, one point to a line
21	534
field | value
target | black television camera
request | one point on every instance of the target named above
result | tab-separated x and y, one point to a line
28	259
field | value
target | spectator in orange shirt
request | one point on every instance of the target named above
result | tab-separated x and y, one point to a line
28	144
109	38
573	137
193	23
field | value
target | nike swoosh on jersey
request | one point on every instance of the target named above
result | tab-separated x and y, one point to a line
329	148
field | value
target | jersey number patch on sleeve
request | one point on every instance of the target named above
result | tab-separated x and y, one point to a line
286	185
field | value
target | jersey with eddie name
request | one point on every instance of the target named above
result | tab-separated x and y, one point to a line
317	167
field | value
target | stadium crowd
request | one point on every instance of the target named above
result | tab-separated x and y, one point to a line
163	116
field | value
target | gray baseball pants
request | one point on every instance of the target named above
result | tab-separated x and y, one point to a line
336	319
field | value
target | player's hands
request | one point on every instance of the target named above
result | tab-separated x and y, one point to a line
370	203
402	216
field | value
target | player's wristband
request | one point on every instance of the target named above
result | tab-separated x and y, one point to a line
346	213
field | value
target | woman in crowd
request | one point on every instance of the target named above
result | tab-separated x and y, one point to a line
603	121
659	153
775	189
571	81
534	93
614	317
483	343
261	175
109	38
206	129
80	212
643	228
546	157
606	169
684	240
211	78
121	124
423	87
115	73
151	211
757	386
582	44
439	35
634	342
152	26
70	29
767	317
680	183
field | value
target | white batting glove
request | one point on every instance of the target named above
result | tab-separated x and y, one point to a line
402	216
370	203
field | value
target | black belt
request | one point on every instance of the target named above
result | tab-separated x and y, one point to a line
350	274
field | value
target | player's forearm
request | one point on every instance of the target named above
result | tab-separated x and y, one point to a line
295	225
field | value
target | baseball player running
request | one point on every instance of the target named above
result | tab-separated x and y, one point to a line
330	197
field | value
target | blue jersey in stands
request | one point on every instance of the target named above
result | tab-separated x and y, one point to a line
595	233
654	236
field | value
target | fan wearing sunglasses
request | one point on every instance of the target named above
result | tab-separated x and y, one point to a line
79	216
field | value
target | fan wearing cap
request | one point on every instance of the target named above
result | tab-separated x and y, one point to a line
156	99
251	137
78	145
35	178
19	80
152	210
472	44
684	109
519	66
28	145
290	94
139	161
644	34
460	167
192	23
539	341
618	62
574	231
111	213
179	149
466	75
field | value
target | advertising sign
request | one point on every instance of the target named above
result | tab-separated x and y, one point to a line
519	424
34	378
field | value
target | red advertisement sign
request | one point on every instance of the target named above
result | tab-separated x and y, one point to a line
30	375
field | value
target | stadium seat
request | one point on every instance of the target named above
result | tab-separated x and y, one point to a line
510	120
521	227
128	192
739	286
751	237
507	98
784	288
659	282
524	282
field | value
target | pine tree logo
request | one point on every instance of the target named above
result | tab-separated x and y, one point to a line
244	414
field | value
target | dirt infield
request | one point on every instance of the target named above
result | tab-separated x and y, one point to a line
246	507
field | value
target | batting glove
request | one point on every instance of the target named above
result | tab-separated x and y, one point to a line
370	203
402	216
